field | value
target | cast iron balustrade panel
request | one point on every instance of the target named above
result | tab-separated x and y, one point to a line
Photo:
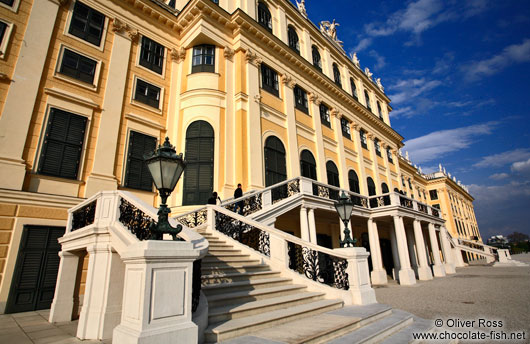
196	285
135	220
318	266
380	201
246	234
285	191
422	208
194	219
333	194
407	203
84	216
250	205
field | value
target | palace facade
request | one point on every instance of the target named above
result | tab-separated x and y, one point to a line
251	92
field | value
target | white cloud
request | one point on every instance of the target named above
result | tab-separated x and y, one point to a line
379	60
515	53
499	176
410	88
404	112
439	143
521	167
363	44
504	158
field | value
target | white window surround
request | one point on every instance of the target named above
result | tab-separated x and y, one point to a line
13	8
145	106
6	38
63	77
101	45
138	53
216	59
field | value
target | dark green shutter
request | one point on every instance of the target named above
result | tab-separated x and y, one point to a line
137	174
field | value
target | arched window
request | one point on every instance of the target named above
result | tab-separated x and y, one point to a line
336	75
264	16
362	134
396	190
333	174
377	146
275	170
293	39
367	98
317	61
371	186
198	175
308	166
353	180
353	89
379	111
384	188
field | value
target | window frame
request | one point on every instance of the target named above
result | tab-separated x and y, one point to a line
368	101
325	118
125	181
301	104
203	67
379	109
317	63
273	89
264	9
147	65
293	41
6	38
345	127
389	155
354	92
70	18
377	146
337	78
13	7
433	193
65	77
363	139
145	105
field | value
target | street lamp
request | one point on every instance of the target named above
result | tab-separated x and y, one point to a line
165	167
344	207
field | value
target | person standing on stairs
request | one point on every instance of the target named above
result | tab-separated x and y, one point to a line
213	199
239	205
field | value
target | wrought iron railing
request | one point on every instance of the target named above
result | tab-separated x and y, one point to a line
333	193
246	205
245	233
423	208
379	201
193	219
84	216
135	220
285	190
406	202
318	266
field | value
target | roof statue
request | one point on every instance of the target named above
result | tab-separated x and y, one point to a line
379	84
301	7
440	167
330	29
368	73
406	153
445	171
419	170
355	60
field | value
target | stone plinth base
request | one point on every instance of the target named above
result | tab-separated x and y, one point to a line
180	333
379	277
424	273
407	277
438	270
449	268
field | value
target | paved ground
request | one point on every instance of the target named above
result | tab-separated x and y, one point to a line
33	327
494	293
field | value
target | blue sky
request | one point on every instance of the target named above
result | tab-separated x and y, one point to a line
458	74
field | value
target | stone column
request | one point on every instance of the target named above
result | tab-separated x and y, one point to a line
102	175
63	301
253	128
343	170
395	256
360	160
304	225
312	225
102	304
378	273
448	254
320	155
230	125
438	269
293	161
411	245
22	93
424	272
406	274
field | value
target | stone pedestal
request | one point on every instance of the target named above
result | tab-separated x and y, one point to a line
157	294
358	276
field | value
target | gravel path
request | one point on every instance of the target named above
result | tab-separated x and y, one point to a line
494	293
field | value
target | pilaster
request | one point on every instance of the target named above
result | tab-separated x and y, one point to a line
230	119
375	168
293	165
321	157
360	159
343	171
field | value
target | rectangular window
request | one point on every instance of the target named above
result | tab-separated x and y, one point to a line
345	126
8	2
364	143
78	66
137	174
389	155
324	115
203	59
63	144
147	93
437	206
87	23
300	99
269	80
377	146
152	55
433	194
3	29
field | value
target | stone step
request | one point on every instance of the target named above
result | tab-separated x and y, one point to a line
222	254
377	330
229	249
211	289
217	268
238	297
221	313
406	335
237	327
232	263
219	245
237	276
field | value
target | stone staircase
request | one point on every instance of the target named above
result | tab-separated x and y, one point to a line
246	298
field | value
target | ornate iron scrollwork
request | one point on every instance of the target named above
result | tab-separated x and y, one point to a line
285	191
84	216
135	220
196	285
194	219
246	234
249	205
318	266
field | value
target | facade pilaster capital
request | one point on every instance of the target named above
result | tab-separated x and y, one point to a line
334	112
287	80
178	54
252	58
133	34
228	53
257	98
355	126
314	98
119	26
370	136
60	2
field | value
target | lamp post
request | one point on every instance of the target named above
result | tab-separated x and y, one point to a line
344	207
165	167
